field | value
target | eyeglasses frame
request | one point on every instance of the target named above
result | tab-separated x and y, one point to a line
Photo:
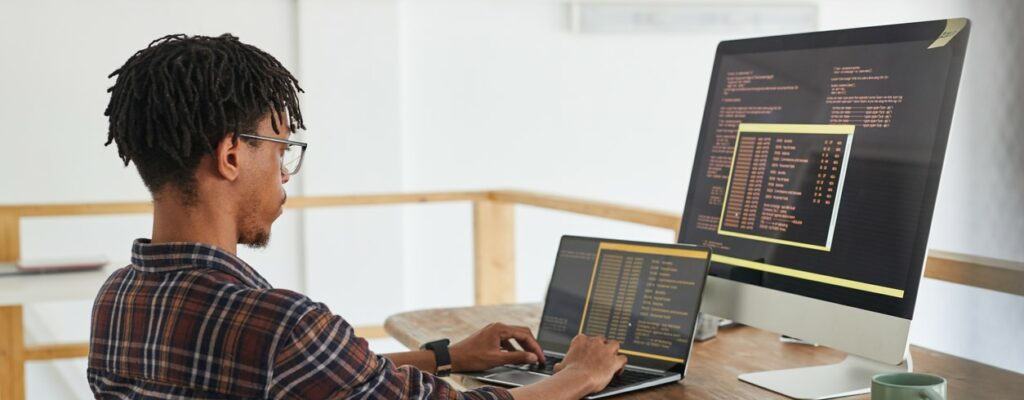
290	143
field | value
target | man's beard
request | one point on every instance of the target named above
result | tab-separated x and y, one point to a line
256	240
250	233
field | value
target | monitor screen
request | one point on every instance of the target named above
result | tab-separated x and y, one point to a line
818	161
644	295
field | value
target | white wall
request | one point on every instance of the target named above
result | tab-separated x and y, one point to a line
56	57
349	63
501	94
470	94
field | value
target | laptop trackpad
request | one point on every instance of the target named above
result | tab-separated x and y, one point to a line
518	377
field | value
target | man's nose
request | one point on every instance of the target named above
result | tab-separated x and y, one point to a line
285	177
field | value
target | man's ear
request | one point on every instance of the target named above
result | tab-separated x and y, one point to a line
226	157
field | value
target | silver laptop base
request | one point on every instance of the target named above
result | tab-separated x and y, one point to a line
511	376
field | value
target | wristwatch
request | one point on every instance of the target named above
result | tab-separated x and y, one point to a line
442	358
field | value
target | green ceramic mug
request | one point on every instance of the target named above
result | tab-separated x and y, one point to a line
908	386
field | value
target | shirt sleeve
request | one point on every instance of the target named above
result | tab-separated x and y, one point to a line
321	358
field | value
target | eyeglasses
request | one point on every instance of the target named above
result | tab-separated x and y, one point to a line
291	161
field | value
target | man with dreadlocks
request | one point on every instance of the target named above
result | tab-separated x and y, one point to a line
207	122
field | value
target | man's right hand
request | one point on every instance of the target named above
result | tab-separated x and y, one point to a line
595	358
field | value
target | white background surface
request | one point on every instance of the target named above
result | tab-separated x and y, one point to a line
439	95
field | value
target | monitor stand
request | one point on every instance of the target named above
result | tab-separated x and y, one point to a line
849	377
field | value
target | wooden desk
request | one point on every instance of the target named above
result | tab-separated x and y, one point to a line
715	363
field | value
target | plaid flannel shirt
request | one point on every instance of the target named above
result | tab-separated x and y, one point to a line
188	320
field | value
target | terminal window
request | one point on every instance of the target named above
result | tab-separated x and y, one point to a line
644	297
785	183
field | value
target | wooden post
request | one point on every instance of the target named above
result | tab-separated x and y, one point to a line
12	354
10	240
494	252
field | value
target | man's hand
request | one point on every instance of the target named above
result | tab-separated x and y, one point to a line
492	346
594	358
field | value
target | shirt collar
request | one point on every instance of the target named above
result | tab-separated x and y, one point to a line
169	257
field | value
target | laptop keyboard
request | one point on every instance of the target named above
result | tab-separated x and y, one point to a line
548	367
627	377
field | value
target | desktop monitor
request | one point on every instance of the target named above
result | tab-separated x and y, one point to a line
814	183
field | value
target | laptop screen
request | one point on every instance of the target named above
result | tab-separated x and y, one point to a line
644	295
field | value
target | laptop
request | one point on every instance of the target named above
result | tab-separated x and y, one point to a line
645	295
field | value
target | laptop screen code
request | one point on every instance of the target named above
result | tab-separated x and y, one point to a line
644	296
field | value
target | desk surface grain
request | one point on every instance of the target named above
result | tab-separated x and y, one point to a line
714	364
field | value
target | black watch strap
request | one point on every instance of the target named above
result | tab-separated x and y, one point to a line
442	358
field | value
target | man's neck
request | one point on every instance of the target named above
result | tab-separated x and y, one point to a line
201	223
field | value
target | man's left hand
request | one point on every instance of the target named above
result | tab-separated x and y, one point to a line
491	346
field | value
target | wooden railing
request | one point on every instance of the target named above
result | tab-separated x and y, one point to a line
494	256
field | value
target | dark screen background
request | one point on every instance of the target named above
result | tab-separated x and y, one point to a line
877	236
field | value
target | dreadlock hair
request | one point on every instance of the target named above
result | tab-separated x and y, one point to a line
176	99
